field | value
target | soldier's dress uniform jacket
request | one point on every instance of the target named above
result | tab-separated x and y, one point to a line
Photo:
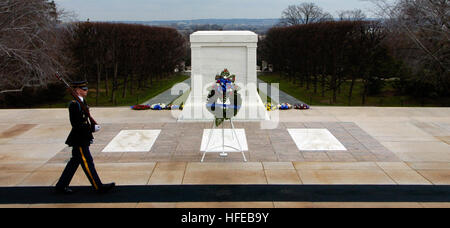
81	133
80	138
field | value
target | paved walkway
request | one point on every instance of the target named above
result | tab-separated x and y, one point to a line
166	97
386	146
283	97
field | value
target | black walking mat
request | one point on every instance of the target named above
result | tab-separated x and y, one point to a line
231	193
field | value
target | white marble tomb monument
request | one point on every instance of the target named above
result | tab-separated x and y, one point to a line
212	52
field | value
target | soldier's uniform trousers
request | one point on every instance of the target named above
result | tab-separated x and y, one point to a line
80	156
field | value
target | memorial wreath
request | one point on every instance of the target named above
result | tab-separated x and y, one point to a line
224	101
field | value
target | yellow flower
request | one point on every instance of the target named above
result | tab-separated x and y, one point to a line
270	107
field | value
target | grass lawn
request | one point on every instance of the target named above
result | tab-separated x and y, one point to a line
138	96
386	98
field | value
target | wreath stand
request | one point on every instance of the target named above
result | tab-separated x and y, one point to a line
223	146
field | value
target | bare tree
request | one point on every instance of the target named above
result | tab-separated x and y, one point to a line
304	13
352	15
419	35
29	36
425	23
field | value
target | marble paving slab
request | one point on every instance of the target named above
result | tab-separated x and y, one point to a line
315	140
133	141
217	139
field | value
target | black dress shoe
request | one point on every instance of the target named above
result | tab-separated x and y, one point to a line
106	187
65	190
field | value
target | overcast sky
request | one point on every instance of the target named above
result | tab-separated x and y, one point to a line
144	10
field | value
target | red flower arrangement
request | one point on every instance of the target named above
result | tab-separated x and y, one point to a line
301	106
140	107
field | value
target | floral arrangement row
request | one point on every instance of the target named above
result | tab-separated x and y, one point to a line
158	106
285	106
269	107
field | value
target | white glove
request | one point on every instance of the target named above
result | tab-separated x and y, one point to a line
97	128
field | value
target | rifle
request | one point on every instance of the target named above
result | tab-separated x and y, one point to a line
75	96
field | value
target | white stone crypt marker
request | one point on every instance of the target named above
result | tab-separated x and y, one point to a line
212	52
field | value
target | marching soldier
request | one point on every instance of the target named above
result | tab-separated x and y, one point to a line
80	138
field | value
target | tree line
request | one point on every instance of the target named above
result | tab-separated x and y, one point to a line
322	56
419	35
125	56
116	59
409	46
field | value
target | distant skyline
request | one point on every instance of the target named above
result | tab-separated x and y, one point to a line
149	10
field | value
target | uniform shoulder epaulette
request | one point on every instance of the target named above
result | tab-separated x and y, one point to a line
73	103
